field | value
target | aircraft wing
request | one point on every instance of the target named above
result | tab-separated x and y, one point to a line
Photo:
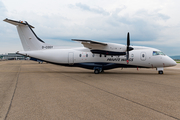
91	44
103	48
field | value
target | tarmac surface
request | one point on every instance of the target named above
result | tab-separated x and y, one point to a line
32	91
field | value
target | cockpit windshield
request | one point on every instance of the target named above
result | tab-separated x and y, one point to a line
158	53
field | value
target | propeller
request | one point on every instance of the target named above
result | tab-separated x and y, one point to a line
128	48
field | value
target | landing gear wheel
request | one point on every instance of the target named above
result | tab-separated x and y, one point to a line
160	72
96	71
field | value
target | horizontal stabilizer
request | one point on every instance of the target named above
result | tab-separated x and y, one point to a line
13	22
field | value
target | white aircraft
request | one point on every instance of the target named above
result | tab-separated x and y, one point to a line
94	55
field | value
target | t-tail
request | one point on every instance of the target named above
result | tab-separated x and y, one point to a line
30	41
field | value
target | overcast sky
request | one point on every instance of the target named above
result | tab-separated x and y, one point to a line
152	23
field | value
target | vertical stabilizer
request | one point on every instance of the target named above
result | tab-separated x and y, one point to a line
29	39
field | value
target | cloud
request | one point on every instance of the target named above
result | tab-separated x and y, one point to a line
152	15
112	27
143	24
97	10
8	35
2	9
3	12
102	21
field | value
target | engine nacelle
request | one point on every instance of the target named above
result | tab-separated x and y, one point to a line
109	49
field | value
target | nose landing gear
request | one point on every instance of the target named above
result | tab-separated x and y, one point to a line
160	70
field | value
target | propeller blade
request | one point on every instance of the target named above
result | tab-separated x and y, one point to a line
128	40
128	43
127	59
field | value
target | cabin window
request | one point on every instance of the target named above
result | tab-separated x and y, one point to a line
104	55
92	55
86	55
80	55
143	55
100	55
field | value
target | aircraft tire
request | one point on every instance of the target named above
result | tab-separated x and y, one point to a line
160	72
96	71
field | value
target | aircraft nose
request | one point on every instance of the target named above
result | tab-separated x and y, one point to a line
172	62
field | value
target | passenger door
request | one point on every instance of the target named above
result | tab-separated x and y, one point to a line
71	58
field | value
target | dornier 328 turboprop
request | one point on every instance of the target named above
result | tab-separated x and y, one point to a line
97	56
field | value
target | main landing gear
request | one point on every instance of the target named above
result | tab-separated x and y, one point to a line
160	70
98	70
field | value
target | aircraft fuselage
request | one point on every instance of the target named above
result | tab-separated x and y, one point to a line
83	57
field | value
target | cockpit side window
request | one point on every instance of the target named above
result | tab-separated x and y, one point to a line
157	53
161	53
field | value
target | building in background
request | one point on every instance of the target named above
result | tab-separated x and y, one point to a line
12	56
